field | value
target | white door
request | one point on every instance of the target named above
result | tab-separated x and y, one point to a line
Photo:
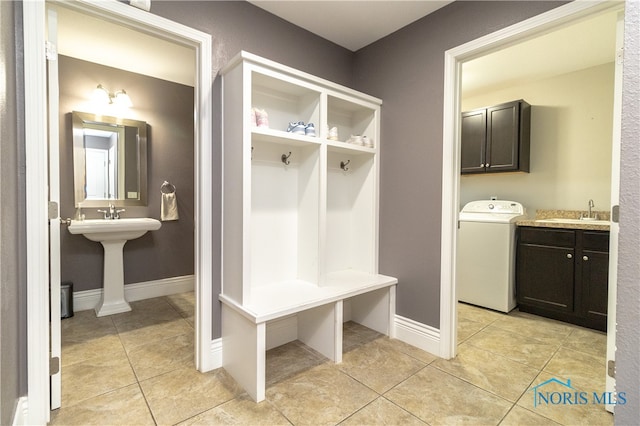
112	172
97	174
54	197
614	228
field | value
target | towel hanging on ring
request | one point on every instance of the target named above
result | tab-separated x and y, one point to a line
169	203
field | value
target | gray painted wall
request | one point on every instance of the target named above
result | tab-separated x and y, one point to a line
235	26
168	110
628	308
406	70
13	359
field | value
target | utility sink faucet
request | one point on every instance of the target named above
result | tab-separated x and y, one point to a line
591	206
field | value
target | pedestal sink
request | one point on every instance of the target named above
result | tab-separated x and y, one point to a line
113	234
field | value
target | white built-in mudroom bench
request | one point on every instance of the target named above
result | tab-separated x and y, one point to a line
300	216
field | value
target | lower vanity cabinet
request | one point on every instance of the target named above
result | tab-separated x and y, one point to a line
563	274
593	276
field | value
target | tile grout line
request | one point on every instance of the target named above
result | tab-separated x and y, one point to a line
144	396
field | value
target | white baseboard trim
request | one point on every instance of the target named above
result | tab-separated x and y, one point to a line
89	299
417	334
22	412
216	353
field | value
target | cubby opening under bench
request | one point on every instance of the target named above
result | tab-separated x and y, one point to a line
300	216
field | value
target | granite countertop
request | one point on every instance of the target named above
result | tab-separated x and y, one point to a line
566	214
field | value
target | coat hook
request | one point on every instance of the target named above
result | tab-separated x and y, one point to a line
252	153
344	165
285	158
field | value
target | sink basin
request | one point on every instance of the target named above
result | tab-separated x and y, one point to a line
575	221
114	229
113	234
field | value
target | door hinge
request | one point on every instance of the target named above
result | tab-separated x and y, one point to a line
620	56
611	368
615	214
54	365
51	51
53	210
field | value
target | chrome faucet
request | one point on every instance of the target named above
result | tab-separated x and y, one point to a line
591	205
112	213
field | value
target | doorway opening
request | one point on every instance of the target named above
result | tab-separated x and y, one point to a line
37	182
454	60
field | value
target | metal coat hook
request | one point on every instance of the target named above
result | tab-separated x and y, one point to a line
344	165
285	158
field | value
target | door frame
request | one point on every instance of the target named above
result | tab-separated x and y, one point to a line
37	183
454	58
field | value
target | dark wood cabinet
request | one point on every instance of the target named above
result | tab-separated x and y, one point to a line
496	139
594	277
563	274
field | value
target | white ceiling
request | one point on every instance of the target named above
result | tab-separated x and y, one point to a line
103	42
352	24
581	45
585	44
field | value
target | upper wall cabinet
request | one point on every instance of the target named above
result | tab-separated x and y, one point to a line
496	139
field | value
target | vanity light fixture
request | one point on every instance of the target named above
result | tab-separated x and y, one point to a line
119	98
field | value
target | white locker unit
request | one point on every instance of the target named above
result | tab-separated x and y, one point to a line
300	216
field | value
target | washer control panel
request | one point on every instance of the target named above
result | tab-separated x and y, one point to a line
494	206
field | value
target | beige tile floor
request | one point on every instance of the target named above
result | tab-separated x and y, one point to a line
136	368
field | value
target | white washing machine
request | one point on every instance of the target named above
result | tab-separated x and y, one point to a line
486	253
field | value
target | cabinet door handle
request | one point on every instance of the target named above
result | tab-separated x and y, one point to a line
569	256
481	164
585	257
487	165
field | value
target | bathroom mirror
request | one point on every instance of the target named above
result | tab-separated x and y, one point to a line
109	160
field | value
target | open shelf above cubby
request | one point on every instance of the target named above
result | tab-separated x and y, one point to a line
351	119
283	101
281	137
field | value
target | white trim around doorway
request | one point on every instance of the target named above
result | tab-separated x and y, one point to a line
37	184
454	58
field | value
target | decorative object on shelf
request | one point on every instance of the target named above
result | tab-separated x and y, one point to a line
367	141
262	118
297	128
169	204
344	164
310	130
333	134
285	158
355	140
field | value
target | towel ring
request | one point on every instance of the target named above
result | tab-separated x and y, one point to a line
167	188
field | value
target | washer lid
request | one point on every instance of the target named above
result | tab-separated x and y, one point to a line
492	211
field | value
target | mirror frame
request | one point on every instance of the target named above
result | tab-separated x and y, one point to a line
79	119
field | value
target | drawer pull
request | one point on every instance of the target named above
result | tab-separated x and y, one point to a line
585	257
569	256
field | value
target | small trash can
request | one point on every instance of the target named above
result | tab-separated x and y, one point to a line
66	299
